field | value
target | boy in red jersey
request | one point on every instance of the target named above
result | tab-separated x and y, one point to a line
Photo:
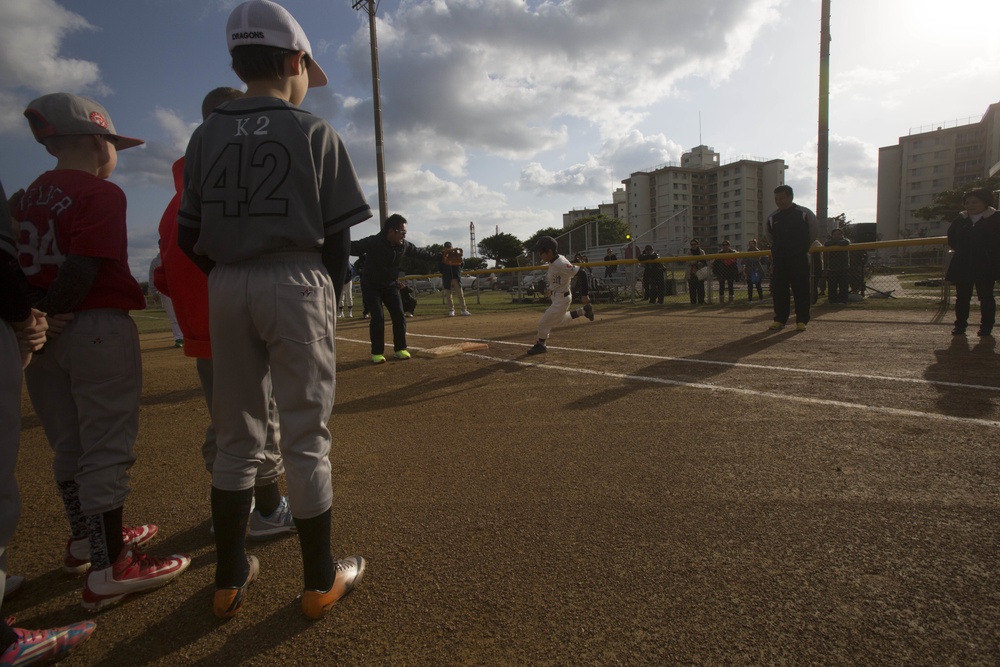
85	389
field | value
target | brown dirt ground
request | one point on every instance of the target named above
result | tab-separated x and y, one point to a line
665	486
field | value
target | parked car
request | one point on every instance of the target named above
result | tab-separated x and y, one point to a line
478	281
426	284
534	281
506	281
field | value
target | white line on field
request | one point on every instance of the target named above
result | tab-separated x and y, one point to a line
734	390
787	369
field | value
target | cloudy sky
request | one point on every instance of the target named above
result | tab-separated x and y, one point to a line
508	113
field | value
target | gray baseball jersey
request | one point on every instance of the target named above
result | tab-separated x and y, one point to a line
263	176
265	182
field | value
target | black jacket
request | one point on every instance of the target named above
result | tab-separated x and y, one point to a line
382	259
976	246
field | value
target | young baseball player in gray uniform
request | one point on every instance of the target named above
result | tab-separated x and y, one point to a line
85	388
558	283
269	198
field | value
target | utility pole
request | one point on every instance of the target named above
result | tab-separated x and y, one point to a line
823	144
383	200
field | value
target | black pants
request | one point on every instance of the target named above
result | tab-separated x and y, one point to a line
791	279
655	287
750	286
696	290
837	284
723	283
373	297
987	304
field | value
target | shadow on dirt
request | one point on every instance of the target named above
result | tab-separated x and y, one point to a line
426	389
962	363
693	369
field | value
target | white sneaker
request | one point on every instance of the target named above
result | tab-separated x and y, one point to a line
132	572
465	312
451	313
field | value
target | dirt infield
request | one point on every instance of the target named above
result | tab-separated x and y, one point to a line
664	486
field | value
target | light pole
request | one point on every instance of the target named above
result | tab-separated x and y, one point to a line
383	200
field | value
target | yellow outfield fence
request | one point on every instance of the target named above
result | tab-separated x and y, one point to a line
906	272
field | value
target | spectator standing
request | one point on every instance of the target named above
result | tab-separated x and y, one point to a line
753	272
838	266
726	271
156	285
974	236
347	293
818	275
790	230
696	286
581	282
451	278
610	269
652	276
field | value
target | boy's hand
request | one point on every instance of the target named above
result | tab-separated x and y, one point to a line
31	335
57	323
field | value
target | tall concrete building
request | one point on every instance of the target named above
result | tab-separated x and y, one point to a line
616	208
928	161
702	198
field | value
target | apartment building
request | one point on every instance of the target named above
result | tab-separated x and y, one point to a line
702	198
930	160
616	208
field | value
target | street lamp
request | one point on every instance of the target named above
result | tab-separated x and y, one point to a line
383	202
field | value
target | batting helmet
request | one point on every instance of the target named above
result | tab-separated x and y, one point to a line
546	243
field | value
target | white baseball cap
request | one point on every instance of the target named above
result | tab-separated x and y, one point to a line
269	24
64	114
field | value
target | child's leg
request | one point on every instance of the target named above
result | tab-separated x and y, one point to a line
239	404
89	394
300	336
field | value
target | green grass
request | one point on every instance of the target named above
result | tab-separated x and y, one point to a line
151	320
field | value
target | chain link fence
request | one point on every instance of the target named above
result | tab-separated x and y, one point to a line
907	272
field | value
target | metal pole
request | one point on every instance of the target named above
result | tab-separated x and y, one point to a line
383	200
823	144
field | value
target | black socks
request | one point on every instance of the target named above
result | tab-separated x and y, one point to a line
317	560
267	498
230	515
105	533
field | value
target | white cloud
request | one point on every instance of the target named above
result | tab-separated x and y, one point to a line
853	177
31	34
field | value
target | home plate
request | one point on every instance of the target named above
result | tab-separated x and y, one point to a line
451	350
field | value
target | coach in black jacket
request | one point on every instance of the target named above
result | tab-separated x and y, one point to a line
379	283
975	237
790	230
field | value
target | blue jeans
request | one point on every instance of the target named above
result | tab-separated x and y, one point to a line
374	296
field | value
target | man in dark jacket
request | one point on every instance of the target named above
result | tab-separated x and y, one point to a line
838	267
379	282
974	236
790	230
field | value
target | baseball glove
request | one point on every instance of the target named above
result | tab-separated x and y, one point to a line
452	257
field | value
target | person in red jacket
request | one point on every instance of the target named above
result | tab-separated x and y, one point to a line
187	286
